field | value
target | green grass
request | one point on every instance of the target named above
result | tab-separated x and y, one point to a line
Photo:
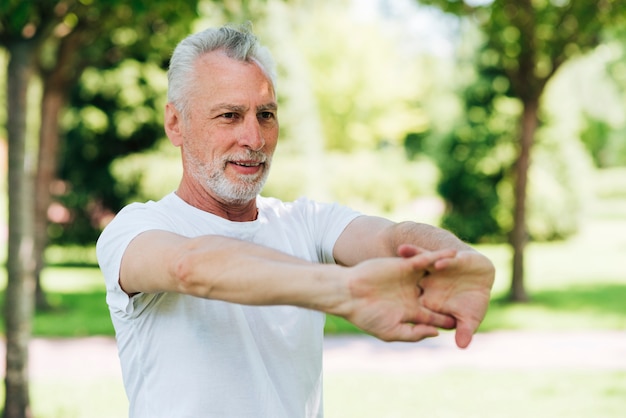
74	315
476	394
468	393
81	398
77	304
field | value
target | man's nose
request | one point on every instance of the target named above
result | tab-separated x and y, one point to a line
251	135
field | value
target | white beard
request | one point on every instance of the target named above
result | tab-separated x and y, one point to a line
244	189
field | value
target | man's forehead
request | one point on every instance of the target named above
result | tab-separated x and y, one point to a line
219	67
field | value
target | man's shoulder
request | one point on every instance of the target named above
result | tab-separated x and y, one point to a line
168	204
136	214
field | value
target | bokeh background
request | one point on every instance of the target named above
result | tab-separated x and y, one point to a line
504	121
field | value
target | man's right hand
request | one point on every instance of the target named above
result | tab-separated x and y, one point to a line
386	298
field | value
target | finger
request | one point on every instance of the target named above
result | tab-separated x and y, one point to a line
428	259
414	332
462	258
444	321
435	319
464	333
408	250
445	263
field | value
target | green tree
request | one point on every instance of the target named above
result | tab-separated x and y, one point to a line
474	158
530	41
132	29
57	39
604	120
113	113
23	29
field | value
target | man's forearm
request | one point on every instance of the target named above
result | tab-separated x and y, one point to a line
242	272
369	237
424	236
222	268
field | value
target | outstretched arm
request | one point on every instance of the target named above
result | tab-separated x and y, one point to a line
381	296
459	286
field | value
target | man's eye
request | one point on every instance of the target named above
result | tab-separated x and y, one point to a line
266	115
229	115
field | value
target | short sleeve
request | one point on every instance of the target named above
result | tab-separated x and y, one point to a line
112	243
327	221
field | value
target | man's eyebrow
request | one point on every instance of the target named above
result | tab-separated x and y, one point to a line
268	106
228	107
241	109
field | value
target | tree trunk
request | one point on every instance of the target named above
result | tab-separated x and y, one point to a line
20	289
53	100
51	103
519	235
57	83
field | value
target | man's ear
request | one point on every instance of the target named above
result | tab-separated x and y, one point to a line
173	125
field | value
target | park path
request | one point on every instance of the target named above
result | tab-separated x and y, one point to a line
97	356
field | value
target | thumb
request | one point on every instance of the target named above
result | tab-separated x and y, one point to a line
464	334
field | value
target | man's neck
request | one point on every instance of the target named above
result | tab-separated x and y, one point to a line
236	212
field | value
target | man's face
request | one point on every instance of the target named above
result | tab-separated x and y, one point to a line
231	130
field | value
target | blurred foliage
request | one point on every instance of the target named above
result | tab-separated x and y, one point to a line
606	146
367	88
594	109
384	179
113	110
112	115
559	188
380	182
475	155
106	32
611	183
148	175
348	105
520	53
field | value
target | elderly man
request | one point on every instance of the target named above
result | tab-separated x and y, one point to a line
218	295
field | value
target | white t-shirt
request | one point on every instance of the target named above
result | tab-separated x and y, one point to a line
184	356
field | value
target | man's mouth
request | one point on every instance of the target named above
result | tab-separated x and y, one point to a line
248	168
247	163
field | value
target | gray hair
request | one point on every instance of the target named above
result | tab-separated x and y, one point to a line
237	43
